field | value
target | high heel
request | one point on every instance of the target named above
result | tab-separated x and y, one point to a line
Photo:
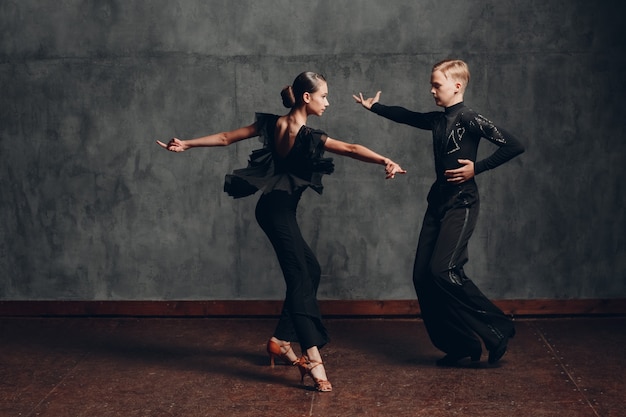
306	366
275	350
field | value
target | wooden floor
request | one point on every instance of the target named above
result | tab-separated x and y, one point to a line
99	367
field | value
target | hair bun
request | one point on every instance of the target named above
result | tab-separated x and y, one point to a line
289	99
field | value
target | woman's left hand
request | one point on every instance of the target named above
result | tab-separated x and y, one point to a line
463	174
391	169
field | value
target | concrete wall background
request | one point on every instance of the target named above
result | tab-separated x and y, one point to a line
92	209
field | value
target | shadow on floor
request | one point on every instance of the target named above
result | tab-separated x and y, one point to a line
378	367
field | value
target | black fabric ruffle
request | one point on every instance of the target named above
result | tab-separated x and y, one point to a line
303	167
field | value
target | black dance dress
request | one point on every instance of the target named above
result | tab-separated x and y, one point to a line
282	181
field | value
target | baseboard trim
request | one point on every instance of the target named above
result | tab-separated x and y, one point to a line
272	308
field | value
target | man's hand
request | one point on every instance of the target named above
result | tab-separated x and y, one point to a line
463	174
367	102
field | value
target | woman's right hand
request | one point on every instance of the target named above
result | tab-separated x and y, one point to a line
367	102
174	145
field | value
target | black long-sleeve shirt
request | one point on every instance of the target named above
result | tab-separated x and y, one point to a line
456	134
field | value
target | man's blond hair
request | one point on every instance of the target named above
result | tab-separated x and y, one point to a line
455	69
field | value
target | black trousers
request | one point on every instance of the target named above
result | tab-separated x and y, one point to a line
457	315
300	320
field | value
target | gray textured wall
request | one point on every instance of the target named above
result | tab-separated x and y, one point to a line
93	209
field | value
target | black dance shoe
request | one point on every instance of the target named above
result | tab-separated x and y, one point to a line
452	359
498	352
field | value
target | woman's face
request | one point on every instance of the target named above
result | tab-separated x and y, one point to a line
445	90
317	102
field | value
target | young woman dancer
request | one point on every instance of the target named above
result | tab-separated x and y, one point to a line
290	161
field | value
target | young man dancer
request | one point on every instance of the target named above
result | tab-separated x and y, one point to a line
457	315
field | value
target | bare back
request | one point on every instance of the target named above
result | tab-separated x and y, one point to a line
285	135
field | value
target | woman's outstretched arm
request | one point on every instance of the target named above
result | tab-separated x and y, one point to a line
217	139
364	154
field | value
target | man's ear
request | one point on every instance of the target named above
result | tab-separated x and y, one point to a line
306	97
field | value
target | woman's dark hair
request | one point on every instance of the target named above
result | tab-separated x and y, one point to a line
306	82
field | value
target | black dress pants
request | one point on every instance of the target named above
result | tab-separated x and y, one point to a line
457	315
300	320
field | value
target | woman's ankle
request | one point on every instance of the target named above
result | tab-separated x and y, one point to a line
285	348
316	364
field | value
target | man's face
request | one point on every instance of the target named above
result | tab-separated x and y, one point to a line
445	90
